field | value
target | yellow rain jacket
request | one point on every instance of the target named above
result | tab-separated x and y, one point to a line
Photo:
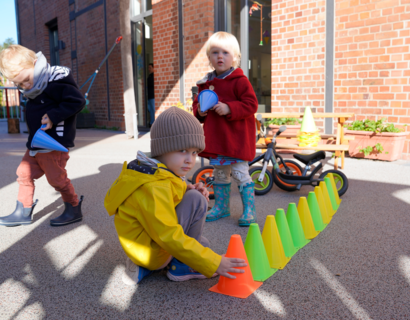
147	223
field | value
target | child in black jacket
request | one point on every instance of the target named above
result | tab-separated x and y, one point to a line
53	100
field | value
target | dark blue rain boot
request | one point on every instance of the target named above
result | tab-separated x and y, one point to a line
221	208
20	216
248	216
70	215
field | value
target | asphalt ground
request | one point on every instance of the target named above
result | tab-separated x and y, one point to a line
357	268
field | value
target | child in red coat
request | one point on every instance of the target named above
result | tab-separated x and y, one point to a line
229	127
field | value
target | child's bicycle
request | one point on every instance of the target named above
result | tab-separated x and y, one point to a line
286	174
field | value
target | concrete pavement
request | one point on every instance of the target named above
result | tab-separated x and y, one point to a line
357	268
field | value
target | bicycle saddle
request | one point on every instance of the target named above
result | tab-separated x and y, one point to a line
306	158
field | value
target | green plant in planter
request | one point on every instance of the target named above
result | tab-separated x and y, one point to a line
369	149
107	128
372	125
283	121
85	110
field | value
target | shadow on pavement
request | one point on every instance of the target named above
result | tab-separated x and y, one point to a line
75	271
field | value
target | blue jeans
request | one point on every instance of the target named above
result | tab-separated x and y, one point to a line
151	109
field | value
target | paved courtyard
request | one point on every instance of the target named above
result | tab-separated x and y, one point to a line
357	268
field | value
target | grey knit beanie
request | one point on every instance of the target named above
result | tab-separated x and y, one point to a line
174	130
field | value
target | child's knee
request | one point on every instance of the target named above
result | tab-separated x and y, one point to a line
222	175
196	198
241	177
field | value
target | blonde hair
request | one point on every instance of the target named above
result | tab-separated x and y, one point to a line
14	59
226	41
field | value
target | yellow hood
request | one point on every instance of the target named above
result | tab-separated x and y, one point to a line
131	180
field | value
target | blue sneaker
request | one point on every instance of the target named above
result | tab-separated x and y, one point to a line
179	271
134	274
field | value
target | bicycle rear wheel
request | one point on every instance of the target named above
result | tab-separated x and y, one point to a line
340	180
201	175
296	171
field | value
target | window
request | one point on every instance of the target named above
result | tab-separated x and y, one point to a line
54	43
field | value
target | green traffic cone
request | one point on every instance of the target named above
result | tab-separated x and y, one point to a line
306	218
295	227
284	233
256	254
331	194
335	192
315	212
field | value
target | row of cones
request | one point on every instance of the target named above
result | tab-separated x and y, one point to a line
308	136
282	236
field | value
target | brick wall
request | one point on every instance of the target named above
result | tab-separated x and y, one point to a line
87	36
198	27
372	54
34	32
166	61
298	56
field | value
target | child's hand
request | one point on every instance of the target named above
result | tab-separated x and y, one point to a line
46	120
222	109
200	187
230	265
200	113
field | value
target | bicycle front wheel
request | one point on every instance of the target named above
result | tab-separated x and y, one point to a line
296	170
200	176
340	178
264	186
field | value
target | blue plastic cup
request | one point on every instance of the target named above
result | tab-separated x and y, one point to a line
44	141
207	99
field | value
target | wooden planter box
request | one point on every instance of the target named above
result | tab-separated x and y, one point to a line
85	120
290	129
13	125
392	144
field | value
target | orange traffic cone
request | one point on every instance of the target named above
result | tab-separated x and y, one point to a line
244	285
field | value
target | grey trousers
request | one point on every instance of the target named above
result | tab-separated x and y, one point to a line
191	213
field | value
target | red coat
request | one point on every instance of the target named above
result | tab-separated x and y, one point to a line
232	135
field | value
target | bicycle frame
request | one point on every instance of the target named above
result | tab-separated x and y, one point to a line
271	155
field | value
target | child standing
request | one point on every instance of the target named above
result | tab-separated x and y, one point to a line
229	127
159	220
53	100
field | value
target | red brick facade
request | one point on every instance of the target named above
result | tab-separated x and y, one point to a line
87	37
166	61
198	17
198	27
372	56
298	56
371	63
371	66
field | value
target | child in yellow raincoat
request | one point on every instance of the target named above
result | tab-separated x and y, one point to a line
158	218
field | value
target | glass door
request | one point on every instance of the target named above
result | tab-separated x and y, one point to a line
260	48
143	70
139	73
250	22
142	58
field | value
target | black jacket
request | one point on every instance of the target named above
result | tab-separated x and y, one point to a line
61	100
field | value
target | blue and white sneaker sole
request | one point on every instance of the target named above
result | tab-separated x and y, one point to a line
187	277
